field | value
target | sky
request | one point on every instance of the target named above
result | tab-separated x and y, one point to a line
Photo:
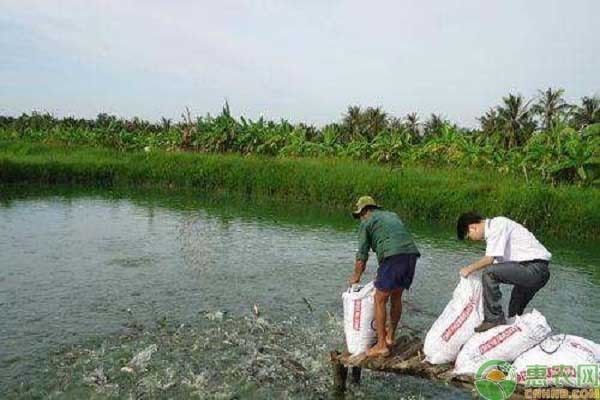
297	60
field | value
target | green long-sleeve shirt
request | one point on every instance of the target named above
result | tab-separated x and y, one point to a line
385	233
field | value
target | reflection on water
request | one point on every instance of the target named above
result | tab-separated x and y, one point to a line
82	265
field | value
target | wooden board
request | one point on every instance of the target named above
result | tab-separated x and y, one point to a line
407	358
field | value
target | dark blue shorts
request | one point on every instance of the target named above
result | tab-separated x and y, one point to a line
396	272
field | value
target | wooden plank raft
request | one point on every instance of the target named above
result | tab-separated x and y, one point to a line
406	358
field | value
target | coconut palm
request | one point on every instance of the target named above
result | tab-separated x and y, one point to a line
550	106
490	122
352	123
412	124
376	121
588	113
366	124
433	127
516	120
490	128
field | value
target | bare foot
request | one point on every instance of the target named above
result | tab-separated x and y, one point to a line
389	337
378	351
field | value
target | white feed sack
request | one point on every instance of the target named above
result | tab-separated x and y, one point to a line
559	350
457	322
504	342
359	318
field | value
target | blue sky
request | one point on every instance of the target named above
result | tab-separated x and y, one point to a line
298	60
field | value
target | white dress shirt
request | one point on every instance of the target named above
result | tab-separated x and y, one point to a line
507	240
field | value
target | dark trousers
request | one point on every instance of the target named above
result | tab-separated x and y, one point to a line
527	277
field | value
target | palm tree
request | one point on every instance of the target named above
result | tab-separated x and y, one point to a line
588	113
352	123
434	125
376	120
366	124
412	124
490	122
516	120
491	126
550	106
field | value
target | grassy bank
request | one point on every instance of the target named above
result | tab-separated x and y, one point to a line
428	194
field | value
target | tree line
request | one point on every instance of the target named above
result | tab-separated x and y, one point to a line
541	138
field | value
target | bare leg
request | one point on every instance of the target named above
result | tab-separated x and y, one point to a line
395	314
380	348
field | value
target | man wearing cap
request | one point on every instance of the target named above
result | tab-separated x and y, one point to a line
512	255
384	233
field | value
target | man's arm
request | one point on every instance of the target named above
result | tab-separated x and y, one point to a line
497	239
362	255
359	268
476	266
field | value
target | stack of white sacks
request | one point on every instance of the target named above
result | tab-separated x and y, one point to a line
524	341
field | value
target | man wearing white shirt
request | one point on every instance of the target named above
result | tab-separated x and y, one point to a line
513	256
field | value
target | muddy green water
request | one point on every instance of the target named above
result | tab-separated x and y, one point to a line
79	264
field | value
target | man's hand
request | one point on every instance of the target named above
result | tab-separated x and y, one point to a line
354	278
476	266
466	271
359	268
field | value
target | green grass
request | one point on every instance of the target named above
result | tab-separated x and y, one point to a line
433	195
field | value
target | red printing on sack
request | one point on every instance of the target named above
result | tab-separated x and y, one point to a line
460	320
584	348
498	339
356	316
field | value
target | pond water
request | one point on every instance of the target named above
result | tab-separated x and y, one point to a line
79	264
